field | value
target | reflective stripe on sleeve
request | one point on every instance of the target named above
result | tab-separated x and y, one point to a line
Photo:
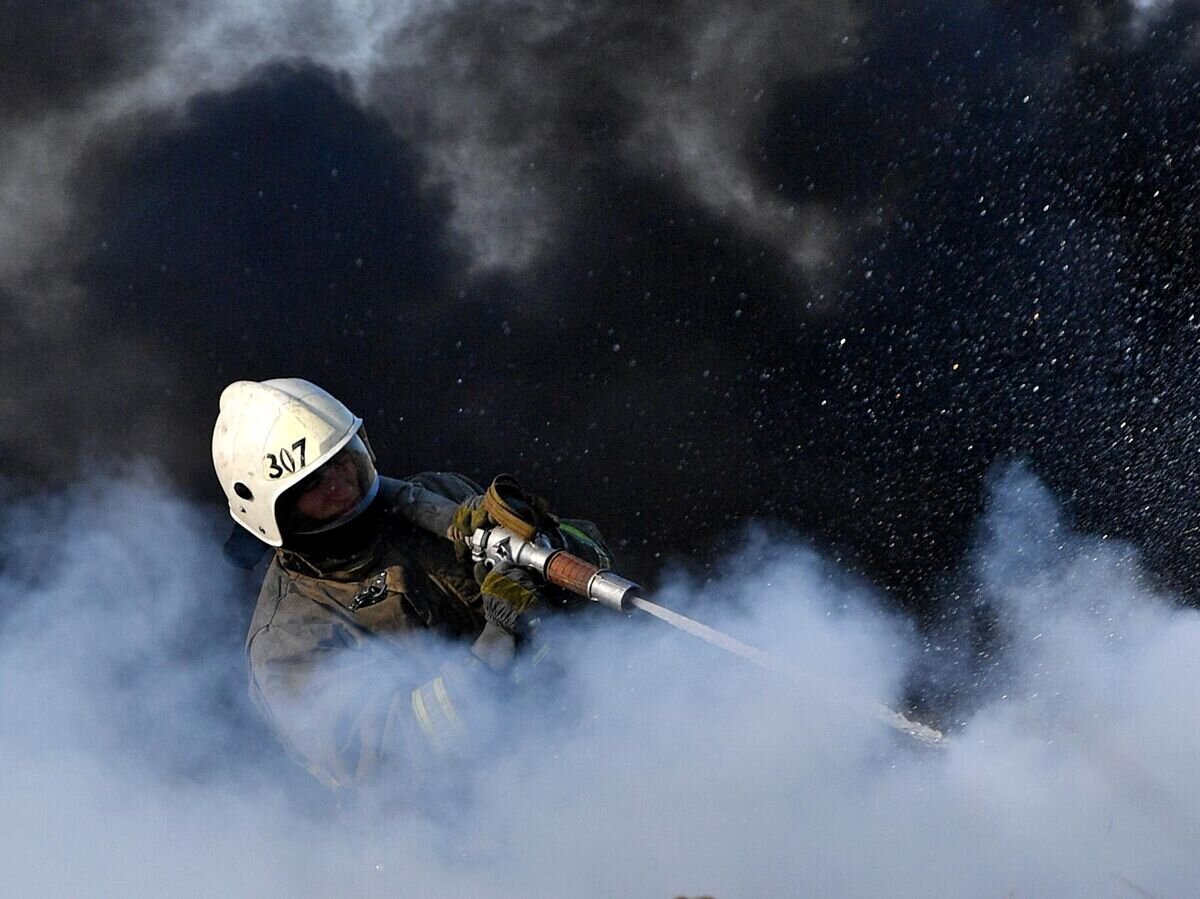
437	716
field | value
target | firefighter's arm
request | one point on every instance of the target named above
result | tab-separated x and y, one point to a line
347	705
451	505
335	700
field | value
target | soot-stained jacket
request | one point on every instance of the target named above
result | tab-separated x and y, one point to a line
352	647
341	638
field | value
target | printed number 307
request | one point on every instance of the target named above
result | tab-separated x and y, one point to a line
285	462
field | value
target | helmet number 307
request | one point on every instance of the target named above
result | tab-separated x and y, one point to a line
284	462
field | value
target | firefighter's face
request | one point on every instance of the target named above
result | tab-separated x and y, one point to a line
329	492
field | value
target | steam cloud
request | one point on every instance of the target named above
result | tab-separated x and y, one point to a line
518	103
511	106
667	192
499	96
132	766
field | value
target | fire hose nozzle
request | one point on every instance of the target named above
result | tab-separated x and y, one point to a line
499	544
612	590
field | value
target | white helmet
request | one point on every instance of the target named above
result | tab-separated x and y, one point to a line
273	435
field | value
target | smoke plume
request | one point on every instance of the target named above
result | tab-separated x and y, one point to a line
134	766
822	263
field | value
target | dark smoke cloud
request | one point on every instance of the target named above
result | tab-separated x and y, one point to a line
54	55
678	269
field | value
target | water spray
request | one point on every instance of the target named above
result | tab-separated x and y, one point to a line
497	545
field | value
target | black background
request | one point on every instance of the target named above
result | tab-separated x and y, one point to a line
1016	278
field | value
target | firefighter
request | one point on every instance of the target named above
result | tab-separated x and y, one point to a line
375	647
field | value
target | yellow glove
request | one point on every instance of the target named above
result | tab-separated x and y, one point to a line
469	517
508	593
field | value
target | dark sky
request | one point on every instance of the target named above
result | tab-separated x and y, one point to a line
819	265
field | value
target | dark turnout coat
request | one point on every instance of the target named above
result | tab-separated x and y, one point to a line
359	654
338	645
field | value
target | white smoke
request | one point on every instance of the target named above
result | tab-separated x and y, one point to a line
129	768
489	92
493	94
496	96
199	47
497	93
57	351
703	123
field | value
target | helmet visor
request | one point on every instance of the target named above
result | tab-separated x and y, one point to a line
332	495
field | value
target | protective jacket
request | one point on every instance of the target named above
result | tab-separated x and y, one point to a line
350	638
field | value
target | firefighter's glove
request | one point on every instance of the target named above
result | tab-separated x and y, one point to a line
508	593
469	517
522	513
507	505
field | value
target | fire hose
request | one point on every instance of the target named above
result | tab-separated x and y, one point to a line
530	551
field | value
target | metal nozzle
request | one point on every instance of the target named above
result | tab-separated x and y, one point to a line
502	545
612	590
